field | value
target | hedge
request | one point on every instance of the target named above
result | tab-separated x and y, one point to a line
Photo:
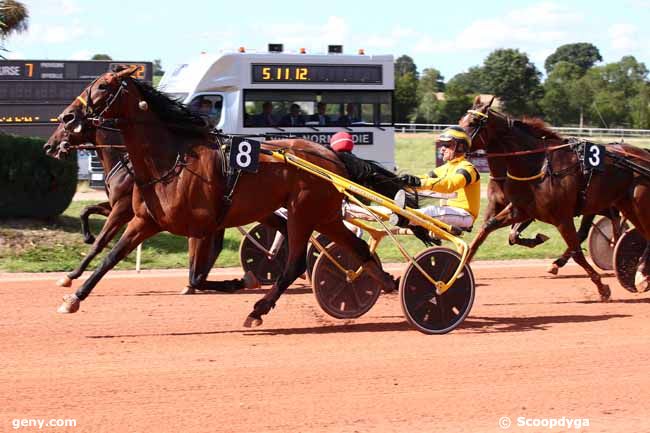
33	184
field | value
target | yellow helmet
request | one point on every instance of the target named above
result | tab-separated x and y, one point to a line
458	136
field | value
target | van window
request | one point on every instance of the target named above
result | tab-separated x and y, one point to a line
289	108
209	107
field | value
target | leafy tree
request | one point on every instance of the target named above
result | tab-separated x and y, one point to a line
405	65
511	76
406	97
431	81
101	57
13	19
619	91
582	54
468	82
563	101
157	68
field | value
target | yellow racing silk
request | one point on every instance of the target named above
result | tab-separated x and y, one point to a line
461	177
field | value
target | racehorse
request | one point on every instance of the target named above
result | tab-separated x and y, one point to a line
181	183
119	211
545	180
497	201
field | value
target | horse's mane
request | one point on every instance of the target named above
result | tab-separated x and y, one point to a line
538	128
175	115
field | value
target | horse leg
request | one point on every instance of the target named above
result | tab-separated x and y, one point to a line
136	232
118	216
515	236
568	231
583	233
297	237
103	209
508	216
203	253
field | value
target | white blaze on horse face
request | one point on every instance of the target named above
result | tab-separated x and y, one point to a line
78	128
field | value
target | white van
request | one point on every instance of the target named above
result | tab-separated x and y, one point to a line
276	94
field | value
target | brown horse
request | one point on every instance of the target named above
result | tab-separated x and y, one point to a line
119	211
497	201
546	181
181	185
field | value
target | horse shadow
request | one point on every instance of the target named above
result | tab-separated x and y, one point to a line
474	324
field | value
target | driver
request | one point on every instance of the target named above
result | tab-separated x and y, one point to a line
457	176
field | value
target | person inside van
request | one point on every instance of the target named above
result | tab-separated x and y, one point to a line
265	118
294	118
349	117
320	116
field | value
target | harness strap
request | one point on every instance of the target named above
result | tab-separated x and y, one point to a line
525	179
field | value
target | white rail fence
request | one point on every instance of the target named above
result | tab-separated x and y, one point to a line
568	131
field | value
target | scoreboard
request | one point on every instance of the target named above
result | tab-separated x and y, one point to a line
34	92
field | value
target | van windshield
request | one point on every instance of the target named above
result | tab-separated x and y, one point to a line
288	108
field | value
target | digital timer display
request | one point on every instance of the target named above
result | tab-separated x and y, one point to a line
316	74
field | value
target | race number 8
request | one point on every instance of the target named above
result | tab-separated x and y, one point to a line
594	158
244	154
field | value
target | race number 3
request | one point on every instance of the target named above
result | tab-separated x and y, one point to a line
244	154
595	156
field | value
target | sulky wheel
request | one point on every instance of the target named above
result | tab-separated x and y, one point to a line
338	297
601	243
430	313
266	269
627	253
313	253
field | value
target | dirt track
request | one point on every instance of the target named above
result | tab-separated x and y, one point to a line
139	358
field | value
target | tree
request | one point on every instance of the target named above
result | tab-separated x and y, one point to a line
582	54
406	97
431	81
101	57
406	88
564	100
468	82
157	68
511	76
619	91
13	19
405	65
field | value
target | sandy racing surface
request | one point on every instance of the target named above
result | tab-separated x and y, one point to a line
139	358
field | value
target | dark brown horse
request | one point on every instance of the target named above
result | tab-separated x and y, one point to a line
497	201
546	181
181	185
119	211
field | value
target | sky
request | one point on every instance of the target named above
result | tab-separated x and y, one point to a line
450	36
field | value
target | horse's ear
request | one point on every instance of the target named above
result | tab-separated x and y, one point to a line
125	71
477	101
491	101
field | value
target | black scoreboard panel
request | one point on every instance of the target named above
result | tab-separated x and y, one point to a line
65	70
316	74
34	92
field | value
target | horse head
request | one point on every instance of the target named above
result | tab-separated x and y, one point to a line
482	124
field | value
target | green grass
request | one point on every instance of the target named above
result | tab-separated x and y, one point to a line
38	246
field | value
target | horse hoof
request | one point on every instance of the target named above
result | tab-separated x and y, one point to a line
553	270
64	282
188	291
89	240
251	281
252	322
641	282
541	238
605	293
70	305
